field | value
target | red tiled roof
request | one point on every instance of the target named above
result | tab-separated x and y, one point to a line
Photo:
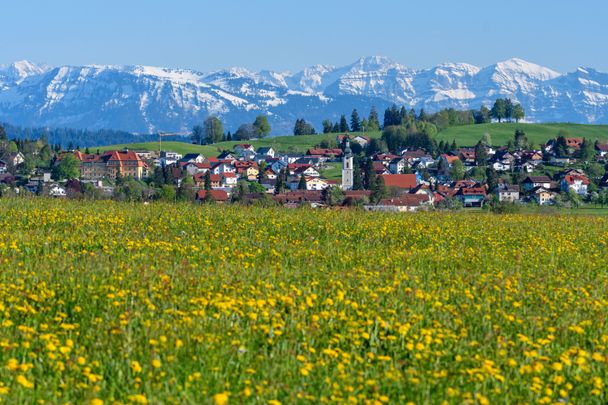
574	142
400	180
571	178
218	195
324	152
449	158
406	200
473	191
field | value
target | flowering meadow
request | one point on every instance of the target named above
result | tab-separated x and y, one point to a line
105	302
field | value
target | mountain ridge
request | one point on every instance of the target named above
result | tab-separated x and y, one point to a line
146	99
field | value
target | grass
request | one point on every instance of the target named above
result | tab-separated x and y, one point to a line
133	303
466	135
333	171
284	144
469	135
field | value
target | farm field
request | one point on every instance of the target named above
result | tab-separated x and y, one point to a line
465	135
131	303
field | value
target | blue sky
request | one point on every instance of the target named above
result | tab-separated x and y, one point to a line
289	35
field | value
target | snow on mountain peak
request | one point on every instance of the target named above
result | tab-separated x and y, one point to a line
520	66
21	70
145	98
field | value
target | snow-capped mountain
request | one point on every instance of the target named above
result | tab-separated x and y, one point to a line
147	99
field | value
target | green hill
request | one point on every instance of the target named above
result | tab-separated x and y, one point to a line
466	135
280	143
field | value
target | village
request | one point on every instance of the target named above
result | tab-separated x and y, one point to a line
402	180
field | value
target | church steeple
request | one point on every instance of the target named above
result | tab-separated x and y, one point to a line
347	168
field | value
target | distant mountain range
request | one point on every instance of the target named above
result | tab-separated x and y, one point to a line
145	99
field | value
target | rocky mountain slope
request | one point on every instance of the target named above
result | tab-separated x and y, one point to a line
147	99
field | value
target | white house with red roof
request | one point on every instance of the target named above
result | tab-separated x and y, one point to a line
575	182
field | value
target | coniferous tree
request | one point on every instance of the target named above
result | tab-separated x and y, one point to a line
355	122
587	151
336	128
327	126
357	179
302	183
343	124
373	122
481	155
207	184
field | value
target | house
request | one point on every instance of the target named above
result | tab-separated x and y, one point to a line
315	183
560	161
507	193
449	159
251	173
225	155
379	168
601	149
299	197
247	155
312	183
330	153
501	166
575	182
223	167
472	197
193	168
15	158
306	171
228	179
528	167
404	203
199	180
266	151
241	147
361	140
57	191
532	182
270	174
193	158
467	156
168	158
111	164
574	143
543	196
397	165
219	196
400	181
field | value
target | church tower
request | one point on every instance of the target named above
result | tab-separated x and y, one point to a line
347	168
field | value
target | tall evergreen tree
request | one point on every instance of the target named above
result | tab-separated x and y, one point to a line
373	123
302	183
207	184
355	122
343	124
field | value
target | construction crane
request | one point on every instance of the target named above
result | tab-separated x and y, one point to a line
160	141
